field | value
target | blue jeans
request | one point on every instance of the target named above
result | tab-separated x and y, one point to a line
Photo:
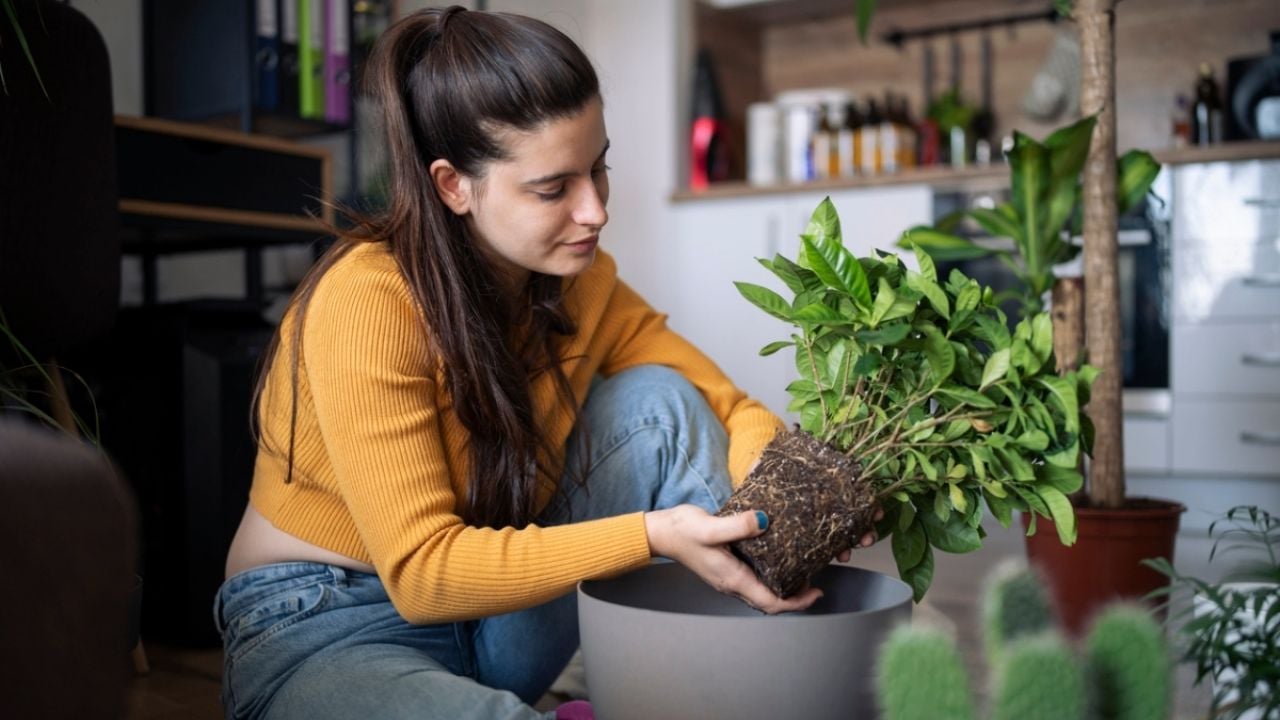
307	640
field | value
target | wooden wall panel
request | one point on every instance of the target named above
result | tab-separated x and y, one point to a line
1160	44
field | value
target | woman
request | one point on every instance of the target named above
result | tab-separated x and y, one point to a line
465	412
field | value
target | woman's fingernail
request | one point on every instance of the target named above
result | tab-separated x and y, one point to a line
762	520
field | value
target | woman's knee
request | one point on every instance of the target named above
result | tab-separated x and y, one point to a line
653	390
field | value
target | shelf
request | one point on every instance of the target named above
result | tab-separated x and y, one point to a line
970	178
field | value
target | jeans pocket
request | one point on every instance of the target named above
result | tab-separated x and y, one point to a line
271	615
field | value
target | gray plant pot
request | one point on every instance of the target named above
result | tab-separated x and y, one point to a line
661	643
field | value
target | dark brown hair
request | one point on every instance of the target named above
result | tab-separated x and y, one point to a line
448	82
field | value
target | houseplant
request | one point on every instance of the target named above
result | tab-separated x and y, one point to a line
913	395
1231	629
1123	671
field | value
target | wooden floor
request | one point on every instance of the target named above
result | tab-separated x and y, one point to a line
184	683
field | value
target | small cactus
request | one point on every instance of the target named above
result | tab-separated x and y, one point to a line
1127	666
1125	673
1015	604
1038	679
921	677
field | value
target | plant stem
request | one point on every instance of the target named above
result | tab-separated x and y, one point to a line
813	365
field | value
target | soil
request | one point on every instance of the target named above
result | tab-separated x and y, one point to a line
818	506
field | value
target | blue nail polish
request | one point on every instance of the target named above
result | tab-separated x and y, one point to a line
762	520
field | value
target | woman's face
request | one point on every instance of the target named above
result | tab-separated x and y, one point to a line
541	210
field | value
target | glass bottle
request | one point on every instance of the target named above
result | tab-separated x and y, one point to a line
847	141
1206	119
870	140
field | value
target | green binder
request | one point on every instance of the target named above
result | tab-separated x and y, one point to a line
311	58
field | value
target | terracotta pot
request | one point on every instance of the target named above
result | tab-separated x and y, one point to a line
1105	563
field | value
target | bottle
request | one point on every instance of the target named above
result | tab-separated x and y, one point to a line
821	144
907	146
708	141
846	141
1181	125
889	136
870	140
1206	119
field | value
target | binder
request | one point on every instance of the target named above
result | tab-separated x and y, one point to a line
311	59
287	75
337	62
267	56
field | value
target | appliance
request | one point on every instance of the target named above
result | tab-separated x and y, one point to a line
1143	269
1253	96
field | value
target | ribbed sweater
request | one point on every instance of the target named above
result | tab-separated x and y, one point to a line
381	460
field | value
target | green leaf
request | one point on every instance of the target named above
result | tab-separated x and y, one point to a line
994	332
1042	337
1135	172
1064	516
998	224
1034	440
885	298
958	500
908	545
886	336
819	314
811	419
1030	170
838	361
930	289
765	299
919	577
997	365
1000	509
907	514
953	536
864	9
942	357
838	269
806	389
965	395
1018	465
1068	150
1063	393
967	299
867	365
927	267
774	347
796	278
941	508
1065	480
824	224
22	42
942	246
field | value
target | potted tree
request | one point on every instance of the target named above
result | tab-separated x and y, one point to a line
1116	532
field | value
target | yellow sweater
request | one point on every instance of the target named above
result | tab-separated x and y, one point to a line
380	460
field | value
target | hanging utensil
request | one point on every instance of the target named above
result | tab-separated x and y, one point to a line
984	122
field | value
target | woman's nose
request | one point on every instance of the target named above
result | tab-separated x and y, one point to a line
590	210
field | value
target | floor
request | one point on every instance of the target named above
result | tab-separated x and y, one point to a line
184	683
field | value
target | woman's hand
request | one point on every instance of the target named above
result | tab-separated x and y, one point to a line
700	542
867	540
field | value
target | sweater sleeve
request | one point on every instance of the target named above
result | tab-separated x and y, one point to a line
367	364
642	337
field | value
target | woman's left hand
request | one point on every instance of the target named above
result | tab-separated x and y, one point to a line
866	541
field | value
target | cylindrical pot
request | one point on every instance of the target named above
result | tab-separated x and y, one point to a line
1105	564
661	643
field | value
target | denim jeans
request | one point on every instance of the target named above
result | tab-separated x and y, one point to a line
308	640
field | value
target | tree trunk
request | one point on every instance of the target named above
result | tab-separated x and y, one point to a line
1068	322
1096	19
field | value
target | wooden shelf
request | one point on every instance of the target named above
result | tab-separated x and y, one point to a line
970	178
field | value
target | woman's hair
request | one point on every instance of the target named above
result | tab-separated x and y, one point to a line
448	83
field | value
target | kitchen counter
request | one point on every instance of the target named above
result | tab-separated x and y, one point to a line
969	178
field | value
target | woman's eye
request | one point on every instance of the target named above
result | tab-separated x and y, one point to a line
600	170
551	196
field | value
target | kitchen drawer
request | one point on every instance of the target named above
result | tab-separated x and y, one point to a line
1226	436
1231	281
1146	444
1226	201
1240	358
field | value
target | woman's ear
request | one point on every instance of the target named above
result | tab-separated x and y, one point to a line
453	187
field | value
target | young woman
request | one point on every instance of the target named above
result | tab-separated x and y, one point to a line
465	411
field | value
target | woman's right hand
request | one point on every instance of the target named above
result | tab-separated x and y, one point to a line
700	541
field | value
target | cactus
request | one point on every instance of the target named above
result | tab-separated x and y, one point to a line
1125	673
1127	666
922	677
1015	604
1038	679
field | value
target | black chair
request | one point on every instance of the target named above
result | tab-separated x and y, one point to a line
68	526
59	225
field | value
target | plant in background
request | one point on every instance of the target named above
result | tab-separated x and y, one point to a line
1123	674
1044	211
28	386
11	13
914	396
1230	630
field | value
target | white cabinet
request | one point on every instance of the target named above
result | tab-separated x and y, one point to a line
718	242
